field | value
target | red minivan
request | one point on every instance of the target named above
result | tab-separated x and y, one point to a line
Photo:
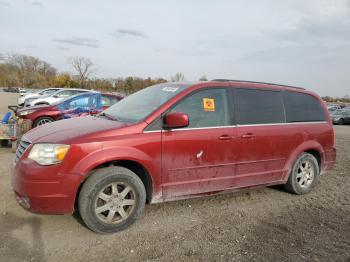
174	141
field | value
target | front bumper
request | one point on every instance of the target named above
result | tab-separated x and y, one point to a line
43	189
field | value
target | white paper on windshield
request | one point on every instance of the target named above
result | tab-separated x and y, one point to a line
170	89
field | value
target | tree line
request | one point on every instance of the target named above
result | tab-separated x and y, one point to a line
329	99
17	70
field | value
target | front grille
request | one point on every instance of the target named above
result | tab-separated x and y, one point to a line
22	146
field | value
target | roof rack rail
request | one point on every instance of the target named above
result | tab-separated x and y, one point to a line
255	82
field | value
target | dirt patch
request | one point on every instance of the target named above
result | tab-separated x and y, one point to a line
258	225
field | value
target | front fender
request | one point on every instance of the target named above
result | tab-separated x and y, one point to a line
104	155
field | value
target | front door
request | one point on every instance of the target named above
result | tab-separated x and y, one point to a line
201	157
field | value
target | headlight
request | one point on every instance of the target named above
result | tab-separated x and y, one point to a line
48	154
26	112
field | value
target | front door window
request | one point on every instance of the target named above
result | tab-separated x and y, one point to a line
207	108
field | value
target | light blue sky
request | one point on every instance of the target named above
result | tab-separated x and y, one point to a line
297	42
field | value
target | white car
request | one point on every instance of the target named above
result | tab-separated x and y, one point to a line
54	97
45	92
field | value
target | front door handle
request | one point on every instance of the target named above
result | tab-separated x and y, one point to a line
248	136
225	137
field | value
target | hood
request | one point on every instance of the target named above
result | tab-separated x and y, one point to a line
65	131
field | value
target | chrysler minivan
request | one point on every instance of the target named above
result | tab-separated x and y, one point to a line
174	141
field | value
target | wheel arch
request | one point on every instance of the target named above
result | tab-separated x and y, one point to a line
37	118
311	147
317	155
132	165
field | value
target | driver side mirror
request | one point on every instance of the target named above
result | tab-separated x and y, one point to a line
175	120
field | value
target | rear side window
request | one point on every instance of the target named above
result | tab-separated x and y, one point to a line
259	107
302	107
108	100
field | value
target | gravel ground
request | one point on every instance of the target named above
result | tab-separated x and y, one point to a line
258	225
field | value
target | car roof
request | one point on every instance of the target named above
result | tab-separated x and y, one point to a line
78	89
257	83
241	83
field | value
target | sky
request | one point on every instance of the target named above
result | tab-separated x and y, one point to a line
295	42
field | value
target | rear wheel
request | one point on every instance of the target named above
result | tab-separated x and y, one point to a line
42	121
111	199
304	175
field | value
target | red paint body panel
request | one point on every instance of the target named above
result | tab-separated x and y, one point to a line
181	163
197	161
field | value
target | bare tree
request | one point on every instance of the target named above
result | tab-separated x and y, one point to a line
83	66
2	57
29	70
178	77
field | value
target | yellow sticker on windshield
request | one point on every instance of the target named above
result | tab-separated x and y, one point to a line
209	104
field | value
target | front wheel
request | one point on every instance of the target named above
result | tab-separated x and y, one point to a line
341	121
111	199
304	175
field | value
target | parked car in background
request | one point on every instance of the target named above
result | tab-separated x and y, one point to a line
54	97
332	108
37	94
174	141
78	105
22	90
341	116
11	89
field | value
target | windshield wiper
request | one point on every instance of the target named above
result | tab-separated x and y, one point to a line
108	116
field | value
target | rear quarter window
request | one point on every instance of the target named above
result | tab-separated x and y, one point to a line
302	107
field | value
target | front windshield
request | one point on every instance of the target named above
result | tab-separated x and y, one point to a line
48	92
142	103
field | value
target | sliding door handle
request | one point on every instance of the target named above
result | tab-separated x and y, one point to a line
248	136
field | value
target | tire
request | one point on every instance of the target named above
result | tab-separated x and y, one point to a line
301	183
4	143
341	121
97	193
42	120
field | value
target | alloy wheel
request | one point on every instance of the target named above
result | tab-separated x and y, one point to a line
115	202
305	173
44	121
